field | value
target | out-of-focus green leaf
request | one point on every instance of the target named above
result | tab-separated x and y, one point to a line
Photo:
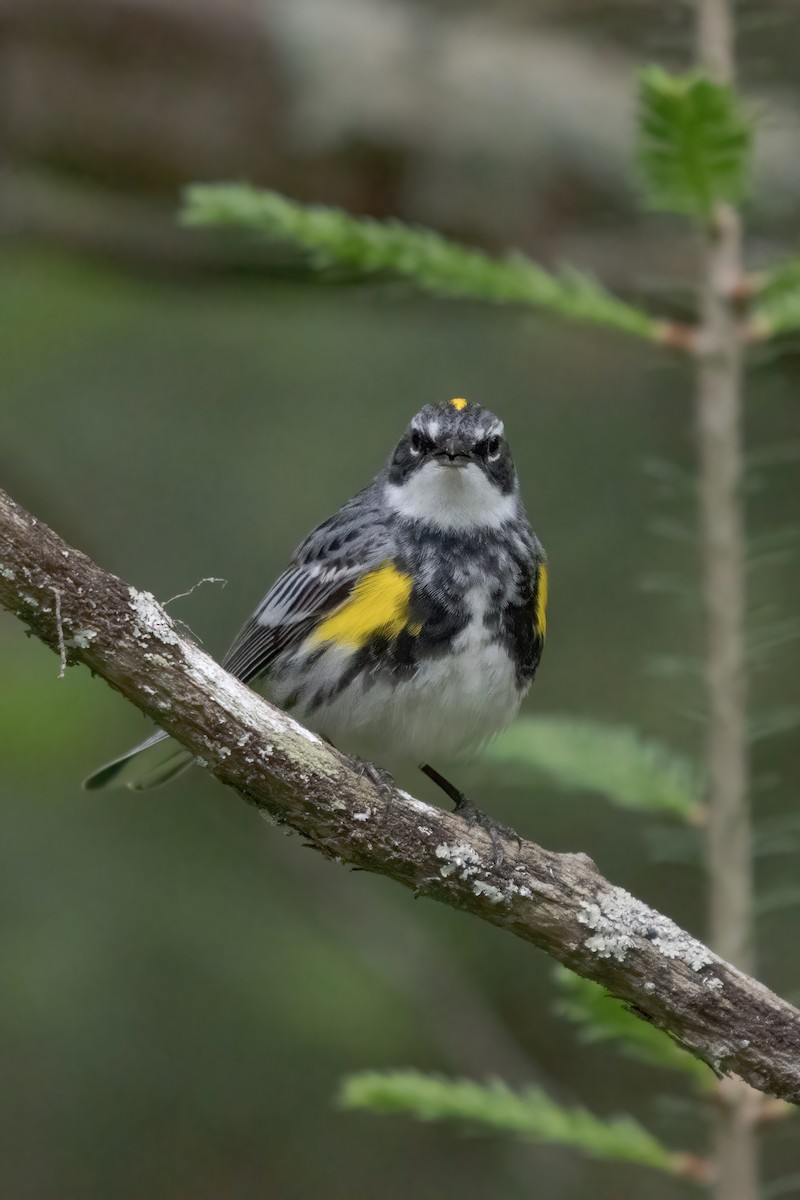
610	759
601	1018
694	143
363	246
777	307
528	1114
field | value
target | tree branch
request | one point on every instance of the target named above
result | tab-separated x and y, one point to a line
559	902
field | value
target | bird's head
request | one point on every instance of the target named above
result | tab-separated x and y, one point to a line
453	467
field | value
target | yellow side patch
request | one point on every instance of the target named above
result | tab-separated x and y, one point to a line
459	403
378	604
540	615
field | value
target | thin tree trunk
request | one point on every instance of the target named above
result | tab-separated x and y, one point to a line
719	408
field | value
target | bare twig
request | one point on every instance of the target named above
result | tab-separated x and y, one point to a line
194	587
559	902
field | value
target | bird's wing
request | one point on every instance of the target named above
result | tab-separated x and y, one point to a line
320	577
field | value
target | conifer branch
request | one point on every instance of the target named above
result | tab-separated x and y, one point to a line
598	1018
777	306
695	142
365	247
559	902
595	756
528	1114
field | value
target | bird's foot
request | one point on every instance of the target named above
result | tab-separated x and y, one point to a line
383	781
498	832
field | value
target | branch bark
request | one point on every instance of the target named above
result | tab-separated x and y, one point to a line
719	412
559	902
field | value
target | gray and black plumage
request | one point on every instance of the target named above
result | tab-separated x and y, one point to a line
410	623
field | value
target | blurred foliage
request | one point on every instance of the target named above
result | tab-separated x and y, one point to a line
494	1106
694	142
601	1018
617	762
432	263
777	306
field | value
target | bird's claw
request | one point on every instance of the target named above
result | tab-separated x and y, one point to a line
381	778
498	832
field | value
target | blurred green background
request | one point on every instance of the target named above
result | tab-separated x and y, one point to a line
183	987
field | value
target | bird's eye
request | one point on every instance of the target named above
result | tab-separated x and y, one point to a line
416	442
493	448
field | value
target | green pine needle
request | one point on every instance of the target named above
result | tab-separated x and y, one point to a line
601	1018
528	1114
612	760
333	239
694	142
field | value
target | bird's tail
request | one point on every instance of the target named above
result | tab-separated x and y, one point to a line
156	761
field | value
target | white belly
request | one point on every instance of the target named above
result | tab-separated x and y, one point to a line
447	709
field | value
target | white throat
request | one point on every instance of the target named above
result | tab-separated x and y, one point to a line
452	498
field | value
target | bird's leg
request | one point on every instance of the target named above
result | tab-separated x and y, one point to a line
474	816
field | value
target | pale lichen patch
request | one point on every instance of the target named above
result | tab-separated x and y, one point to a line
150	618
158	659
7	573
82	639
481	888
619	920
458	857
419	805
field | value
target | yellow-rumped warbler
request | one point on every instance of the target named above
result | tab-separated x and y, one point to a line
411	622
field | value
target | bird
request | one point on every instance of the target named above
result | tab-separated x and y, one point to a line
410	624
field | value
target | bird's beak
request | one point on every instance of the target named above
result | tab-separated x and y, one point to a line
453	453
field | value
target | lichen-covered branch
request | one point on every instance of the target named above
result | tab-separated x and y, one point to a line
559	902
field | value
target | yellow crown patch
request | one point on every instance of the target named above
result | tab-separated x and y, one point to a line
459	403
